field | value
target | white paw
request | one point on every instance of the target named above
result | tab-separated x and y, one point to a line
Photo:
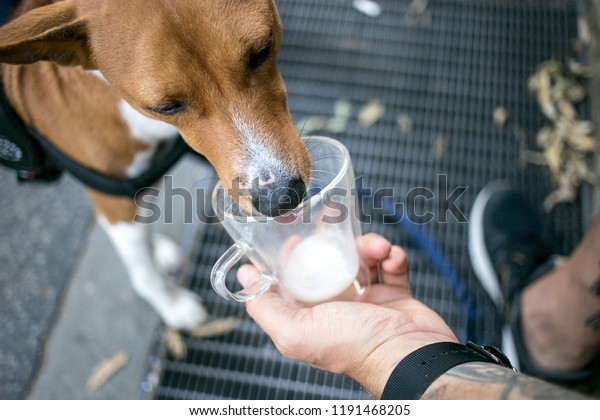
183	310
167	253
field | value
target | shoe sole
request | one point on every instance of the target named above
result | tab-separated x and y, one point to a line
480	259
482	265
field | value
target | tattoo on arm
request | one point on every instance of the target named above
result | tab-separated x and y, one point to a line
595	289
437	393
508	384
593	322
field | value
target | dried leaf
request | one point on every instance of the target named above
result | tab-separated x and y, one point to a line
404	123
368	7
566	110
175	345
533	82
417	7
579	69
585	126
581	172
309	125
546	69
567	89
439	146
576	134
500	116
342	110
571	178
106	369
215	328
336	125
583	30
582	142
553	155
370	113
545	137
417	11
544	97
564	194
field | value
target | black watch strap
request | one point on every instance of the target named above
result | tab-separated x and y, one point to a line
422	367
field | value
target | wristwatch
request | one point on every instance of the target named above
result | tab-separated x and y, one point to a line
422	367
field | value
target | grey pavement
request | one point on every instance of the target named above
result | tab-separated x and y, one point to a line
65	299
100	316
43	231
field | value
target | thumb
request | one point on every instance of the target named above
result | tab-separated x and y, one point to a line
246	273
274	314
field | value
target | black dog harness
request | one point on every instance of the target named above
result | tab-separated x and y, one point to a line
20	151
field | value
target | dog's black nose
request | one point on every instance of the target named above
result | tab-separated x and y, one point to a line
277	198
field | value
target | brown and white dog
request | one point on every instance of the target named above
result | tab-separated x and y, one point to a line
106	80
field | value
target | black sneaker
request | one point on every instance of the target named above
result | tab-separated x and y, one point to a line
507	253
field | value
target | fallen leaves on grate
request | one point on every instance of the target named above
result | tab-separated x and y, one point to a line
342	110
566	143
417	12
404	123
106	369
368	7
370	113
500	116
215	328
176	346
311	124
584	36
439	146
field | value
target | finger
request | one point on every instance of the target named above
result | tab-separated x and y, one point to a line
372	248
382	294
280	319
246	273
270	310
394	269
396	262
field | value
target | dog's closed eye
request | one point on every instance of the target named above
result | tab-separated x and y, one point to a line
260	55
167	109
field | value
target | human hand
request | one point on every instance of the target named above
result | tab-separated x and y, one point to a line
363	339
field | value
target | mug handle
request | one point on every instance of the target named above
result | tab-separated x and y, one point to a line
219	273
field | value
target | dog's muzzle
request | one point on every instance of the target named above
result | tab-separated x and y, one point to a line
277	198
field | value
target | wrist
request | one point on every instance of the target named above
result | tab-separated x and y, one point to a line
377	368
420	369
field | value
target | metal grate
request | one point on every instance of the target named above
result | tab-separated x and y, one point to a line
447	71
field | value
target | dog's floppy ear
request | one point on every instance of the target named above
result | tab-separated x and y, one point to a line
51	33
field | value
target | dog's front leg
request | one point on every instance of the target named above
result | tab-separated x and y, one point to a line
179	308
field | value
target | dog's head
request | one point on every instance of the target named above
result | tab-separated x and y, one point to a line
208	67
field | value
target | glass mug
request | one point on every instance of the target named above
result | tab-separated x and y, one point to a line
309	252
